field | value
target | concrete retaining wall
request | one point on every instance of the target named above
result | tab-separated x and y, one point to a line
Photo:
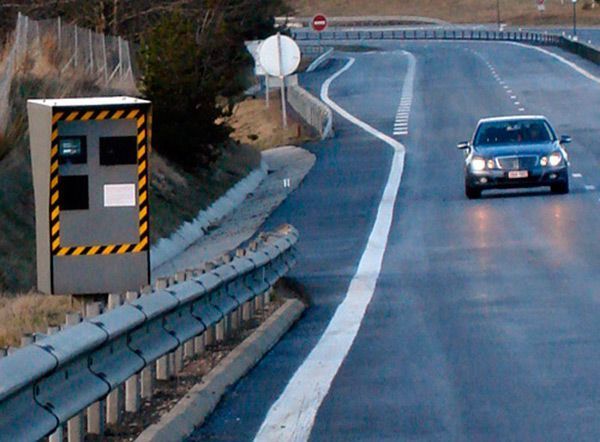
312	110
582	49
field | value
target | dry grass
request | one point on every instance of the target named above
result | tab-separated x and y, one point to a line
517	12
260	127
31	313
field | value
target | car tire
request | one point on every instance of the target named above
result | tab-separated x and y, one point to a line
472	193
560	188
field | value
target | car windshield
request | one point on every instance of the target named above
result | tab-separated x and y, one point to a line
513	132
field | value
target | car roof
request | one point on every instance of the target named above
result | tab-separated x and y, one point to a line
512	118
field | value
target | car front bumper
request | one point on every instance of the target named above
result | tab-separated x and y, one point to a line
536	177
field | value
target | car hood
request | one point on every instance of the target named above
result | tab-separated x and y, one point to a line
517	149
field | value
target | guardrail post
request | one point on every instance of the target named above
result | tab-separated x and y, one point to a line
199	343
147	382
162	368
58	435
132	385
26	339
178	356
220	329
163	364
267	296
75	428
258	303
210	335
188	349
114	400
95	412
246	311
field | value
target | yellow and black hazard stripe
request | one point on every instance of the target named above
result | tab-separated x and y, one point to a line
142	166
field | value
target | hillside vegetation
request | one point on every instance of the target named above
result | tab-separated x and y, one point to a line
517	12
192	65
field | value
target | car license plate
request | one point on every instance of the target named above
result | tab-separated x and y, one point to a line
518	174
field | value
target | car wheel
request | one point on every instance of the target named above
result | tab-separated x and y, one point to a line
561	188
472	193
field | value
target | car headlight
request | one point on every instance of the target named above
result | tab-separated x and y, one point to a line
477	164
544	161
555	159
490	164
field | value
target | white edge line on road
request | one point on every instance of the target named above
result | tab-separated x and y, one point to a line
292	416
572	65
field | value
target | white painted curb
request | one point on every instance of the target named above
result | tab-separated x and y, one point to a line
191	411
190	232
312	110
322	58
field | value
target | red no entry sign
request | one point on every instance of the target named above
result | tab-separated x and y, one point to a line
319	22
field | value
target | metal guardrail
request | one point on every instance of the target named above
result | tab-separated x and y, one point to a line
427	34
45	384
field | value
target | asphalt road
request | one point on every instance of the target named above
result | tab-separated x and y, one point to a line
483	324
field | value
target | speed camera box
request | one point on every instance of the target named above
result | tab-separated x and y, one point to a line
90	173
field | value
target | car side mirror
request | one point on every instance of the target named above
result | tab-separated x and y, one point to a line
565	139
463	145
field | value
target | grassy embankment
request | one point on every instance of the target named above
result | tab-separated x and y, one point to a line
175	195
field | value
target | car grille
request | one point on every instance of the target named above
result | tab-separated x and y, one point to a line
517	163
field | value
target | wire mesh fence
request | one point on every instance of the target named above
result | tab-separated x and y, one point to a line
56	48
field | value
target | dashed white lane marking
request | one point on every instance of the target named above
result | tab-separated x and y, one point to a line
292	416
514	98
590	187
577	175
403	112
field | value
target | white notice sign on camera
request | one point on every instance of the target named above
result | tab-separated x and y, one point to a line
119	195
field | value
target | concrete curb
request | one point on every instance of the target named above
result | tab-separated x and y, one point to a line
191	411
319	61
312	110
190	232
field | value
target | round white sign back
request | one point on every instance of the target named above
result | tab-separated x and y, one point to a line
279	55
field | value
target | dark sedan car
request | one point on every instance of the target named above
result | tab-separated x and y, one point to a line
517	151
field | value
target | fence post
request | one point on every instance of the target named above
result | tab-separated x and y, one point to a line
59	26
26	42
105	59
75	55
120	42
91	51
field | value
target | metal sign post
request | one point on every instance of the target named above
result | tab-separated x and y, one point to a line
574	19
282	78
279	56
541	5
267	90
